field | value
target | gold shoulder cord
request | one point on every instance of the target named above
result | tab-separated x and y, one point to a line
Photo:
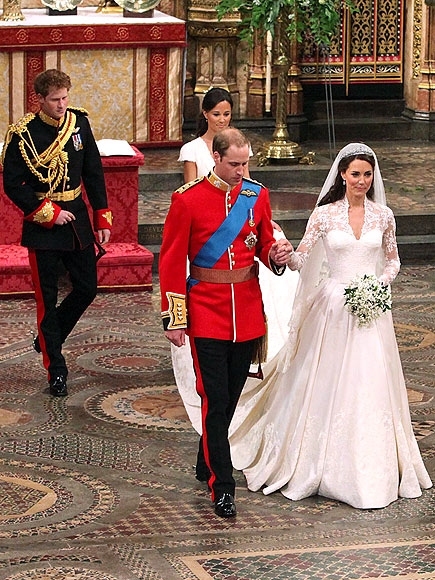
17	128
54	159
79	110
188	185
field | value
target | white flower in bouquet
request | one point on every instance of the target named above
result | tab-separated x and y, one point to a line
367	298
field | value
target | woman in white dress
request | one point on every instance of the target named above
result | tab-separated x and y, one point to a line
278	291
331	416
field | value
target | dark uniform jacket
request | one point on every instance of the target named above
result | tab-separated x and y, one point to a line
69	156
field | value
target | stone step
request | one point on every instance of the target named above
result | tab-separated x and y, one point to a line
362	129
413	249
416	249
275	177
354	109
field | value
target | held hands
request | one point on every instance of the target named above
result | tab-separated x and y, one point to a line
280	252
177	337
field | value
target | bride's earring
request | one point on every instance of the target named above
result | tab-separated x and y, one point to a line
344	182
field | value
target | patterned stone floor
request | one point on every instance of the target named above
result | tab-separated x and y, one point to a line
100	486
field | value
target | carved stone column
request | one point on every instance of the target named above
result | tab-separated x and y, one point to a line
295	97
212	62
420	88
259	103
426	88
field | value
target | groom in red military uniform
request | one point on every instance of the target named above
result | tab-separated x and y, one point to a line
220	223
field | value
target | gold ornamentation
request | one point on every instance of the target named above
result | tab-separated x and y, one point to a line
108	217
417	38
248	193
45	214
67	195
176	310
53	159
12	10
308	159
49	120
188	185
216	182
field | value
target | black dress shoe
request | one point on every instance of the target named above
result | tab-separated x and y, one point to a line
225	506
58	387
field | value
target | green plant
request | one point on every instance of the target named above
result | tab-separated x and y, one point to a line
318	20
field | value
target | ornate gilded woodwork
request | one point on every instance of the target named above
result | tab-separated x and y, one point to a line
367	50
215	48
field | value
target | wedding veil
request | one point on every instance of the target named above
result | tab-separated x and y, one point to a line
315	268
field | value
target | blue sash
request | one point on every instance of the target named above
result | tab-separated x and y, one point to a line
229	229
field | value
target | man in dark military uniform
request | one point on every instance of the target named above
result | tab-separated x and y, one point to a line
46	157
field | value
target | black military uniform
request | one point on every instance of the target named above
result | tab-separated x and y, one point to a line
45	162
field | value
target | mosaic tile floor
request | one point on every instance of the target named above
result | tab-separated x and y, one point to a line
100	485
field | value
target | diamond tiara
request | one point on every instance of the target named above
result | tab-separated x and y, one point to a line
355	149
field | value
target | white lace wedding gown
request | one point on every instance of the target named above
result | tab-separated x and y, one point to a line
331	416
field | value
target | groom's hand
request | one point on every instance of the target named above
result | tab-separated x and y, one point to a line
280	252
177	337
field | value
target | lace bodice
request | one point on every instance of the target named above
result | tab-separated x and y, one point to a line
347	255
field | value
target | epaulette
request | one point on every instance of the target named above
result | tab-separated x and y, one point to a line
188	185
19	127
253	181
79	111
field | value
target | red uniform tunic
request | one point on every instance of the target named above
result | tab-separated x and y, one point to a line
221	311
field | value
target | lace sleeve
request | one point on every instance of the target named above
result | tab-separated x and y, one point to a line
389	246
313	232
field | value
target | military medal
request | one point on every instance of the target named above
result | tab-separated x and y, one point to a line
77	141
251	241
251	221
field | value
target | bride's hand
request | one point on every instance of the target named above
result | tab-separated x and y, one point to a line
280	252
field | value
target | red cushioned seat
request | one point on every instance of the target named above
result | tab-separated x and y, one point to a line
125	267
15	276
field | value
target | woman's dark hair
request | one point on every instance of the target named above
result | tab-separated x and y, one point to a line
212	98
338	189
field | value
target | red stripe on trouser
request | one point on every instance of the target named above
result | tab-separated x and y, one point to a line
40	306
204	409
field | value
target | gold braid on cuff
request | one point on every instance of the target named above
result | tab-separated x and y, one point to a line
176	315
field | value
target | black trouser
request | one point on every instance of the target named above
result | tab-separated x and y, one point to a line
221	368
56	322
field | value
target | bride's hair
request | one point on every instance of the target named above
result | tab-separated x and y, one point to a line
338	189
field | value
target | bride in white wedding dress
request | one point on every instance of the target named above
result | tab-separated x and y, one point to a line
331	415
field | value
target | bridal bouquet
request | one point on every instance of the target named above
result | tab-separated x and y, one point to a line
367	298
